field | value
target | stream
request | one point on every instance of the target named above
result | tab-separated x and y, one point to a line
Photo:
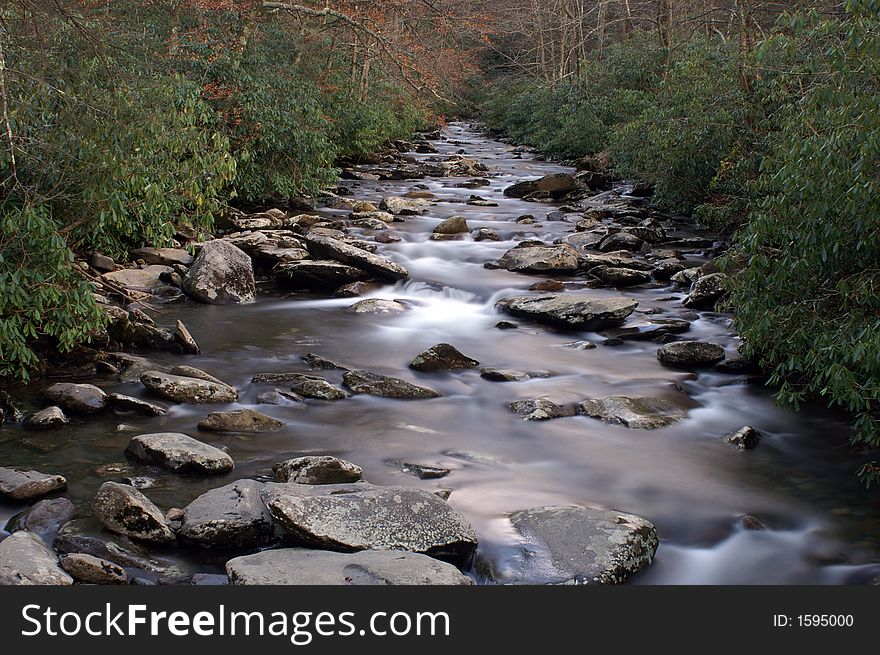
822	526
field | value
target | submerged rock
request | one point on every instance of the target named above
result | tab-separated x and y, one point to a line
317	469
187	390
621	277
442	357
23	485
240	420
389	518
179	452
574	312
221	274
46	419
539	409
301	566
232	517
26	560
745	438
636	413
690	354
125	510
579	545
77	398
373	384
423	471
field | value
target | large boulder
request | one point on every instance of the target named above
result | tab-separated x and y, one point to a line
125	510
690	354
220	275
707	291
187	390
26	560
240	420
301	566
572	312
317	274
578	545
541	259
373	384
636	413
442	357
317	469
77	398
178	452
452	225
23	485
325	246
387	518
232	517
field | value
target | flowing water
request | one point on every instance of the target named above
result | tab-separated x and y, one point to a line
822	526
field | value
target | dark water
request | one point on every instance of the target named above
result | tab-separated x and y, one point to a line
822	526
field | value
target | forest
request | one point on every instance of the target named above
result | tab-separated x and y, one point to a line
712	163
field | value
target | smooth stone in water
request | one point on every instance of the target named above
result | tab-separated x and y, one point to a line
23	485
193	372
541	259
240	420
539	409
26	560
179	452
131	404
378	306
372	384
452	225
318	274
89	569
690	354
312	386
126	511
46	419
325	246
232	517
571	312
442	357
77	398
317	469
187	390
707	291
745	438
635	413
302	566
45	518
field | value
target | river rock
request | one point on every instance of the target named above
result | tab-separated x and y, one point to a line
539	409
573	312
378	306
87	536
187	390
125	510
504	375
621	241
77	398
312	386
579	545
221	274
388	518
404	206
26	560
280	397
89	569
324	246
131	404
23	485
690	354
452	225
317	274
45	518
555	185
373	384
178	452
707	291
240	420
745	438
302	566
423	471
621	277
540	259
636	413
442	357
46	419
192	372
138	279
162	256
317	469
232	517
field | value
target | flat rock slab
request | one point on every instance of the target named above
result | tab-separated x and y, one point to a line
300	566
24	485
240	420
179	452
77	398
187	390
125	510
318	274
138	278
233	517
387	518
325	246
385	386
635	412
163	256
541	259
317	469
579	545
26	560
571	312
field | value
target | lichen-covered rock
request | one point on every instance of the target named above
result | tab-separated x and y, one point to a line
442	357
378	306
637	413
621	277
373	384
387	518
240	420
539	409
178	452
125	510
707	291
221	274
89	569
572	312
23	485
690	354
232	517
187	390
302	566
26	560
578	545
317	469
77	398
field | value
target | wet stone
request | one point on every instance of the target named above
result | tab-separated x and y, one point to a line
317	469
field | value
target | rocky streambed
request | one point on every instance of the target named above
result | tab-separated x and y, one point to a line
464	365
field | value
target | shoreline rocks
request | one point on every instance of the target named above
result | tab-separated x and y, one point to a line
221	274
